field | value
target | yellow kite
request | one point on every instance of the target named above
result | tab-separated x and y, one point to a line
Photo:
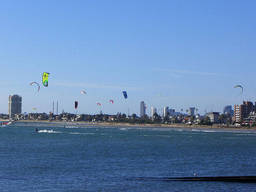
45	79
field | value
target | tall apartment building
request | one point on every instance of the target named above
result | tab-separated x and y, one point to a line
249	107
237	113
242	111
142	109
14	105
166	111
153	111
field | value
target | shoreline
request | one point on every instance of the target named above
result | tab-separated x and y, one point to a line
113	124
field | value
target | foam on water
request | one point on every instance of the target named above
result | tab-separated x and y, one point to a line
71	133
78	133
48	131
157	136
71	127
204	131
123	129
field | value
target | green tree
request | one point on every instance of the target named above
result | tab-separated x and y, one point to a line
206	121
157	118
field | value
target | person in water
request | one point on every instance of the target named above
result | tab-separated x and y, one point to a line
36	130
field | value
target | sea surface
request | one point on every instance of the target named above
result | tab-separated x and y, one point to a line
91	158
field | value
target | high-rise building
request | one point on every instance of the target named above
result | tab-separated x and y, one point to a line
249	107
242	111
153	111
228	110
238	110
14	105
166	111
142	109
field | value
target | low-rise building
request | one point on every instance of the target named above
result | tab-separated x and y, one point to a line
214	116
191	111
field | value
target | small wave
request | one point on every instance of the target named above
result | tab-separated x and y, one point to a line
48	131
77	133
157	136
195	130
209	131
246	134
164	136
71	127
204	131
123	129
181	130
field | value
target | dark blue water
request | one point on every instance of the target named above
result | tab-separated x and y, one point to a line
110	159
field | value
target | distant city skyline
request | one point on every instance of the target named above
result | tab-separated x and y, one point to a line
178	54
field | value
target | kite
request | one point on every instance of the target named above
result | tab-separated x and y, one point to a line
45	79
111	101
76	104
99	104
82	92
239	86
35	83
125	94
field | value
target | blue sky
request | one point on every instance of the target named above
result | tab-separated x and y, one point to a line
166	53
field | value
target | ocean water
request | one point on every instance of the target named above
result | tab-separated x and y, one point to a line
58	159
